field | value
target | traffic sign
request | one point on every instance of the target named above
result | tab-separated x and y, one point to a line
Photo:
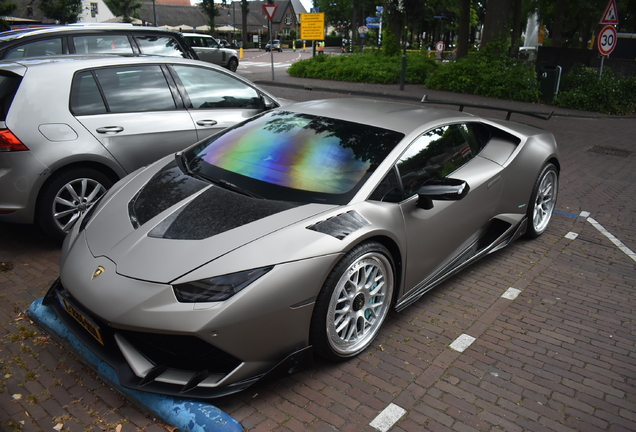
312	26
607	40
610	16
270	10
439	46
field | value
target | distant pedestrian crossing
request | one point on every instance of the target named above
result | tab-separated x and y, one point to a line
264	64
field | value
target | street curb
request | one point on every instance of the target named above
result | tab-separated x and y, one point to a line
185	414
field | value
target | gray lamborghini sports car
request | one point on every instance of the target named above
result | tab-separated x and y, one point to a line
293	233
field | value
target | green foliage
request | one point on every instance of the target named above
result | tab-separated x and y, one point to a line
487	74
583	89
6	9
64	11
390	45
127	9
371	67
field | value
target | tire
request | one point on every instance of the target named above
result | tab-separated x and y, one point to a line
359	305
232	64
542	201
66	196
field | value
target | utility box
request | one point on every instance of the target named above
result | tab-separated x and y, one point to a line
549	82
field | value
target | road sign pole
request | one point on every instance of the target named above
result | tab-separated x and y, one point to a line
271	48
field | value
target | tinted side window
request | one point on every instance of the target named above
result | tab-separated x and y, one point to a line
135	88
85	96
208	88
210	43
9	84
36	49
433	155
160	45
111	44
388	190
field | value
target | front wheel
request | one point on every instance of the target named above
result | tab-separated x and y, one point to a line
232	64
542	201
67	196
353	302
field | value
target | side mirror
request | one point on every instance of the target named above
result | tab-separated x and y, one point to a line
268	103
445	189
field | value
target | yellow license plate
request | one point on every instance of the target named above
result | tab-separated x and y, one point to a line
84	321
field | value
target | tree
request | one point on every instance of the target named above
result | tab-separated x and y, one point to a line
464	29
210	9
127	9
63	11
5	10
497	21
245	9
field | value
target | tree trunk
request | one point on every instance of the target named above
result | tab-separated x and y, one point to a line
497	21
464	29
516	29
244	11
557	27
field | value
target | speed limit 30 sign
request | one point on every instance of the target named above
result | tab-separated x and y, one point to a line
607	40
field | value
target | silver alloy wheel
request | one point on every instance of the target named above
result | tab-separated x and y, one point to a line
359	303
73	199
545	200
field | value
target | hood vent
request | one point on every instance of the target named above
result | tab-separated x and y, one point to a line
342	225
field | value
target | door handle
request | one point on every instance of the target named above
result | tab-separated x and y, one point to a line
206	122
110	129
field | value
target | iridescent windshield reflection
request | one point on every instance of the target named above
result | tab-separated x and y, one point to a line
302	152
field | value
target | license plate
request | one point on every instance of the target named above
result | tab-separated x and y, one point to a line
84	321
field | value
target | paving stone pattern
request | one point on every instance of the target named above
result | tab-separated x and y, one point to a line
559	357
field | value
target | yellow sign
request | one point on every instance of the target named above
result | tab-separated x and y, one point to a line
312	26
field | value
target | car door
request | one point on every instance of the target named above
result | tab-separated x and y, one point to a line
207	49
215	99
133	112
436	236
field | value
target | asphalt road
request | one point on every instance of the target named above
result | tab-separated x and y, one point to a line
560	356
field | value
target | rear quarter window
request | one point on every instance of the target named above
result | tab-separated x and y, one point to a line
103	44
9	84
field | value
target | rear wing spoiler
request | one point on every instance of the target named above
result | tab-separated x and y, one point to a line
542	116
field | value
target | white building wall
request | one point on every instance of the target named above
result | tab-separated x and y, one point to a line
95	11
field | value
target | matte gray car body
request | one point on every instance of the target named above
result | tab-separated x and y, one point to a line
409	244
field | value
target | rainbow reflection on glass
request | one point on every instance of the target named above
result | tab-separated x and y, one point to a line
292	151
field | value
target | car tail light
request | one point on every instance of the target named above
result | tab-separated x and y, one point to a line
10	142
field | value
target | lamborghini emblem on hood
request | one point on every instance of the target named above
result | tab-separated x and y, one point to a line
98	272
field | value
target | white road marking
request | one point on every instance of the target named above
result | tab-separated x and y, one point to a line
387	418
462	342
630	253
511	293
571	235
584	214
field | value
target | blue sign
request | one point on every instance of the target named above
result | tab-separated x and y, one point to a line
314	10
373	20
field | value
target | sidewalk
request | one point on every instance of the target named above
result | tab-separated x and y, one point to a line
558	356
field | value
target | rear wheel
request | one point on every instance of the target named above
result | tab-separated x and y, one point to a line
67	196
542	201
353	303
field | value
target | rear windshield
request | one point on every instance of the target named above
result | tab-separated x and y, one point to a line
9	84
295	157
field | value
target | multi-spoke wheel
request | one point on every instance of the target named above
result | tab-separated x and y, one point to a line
233	64
67	196
353	302
542	201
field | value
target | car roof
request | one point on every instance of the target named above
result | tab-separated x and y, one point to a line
81	61
400	117
37	31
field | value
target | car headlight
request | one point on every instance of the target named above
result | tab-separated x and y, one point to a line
218	288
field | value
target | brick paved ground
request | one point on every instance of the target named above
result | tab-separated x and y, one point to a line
559	357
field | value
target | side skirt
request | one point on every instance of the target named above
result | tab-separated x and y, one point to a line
499	235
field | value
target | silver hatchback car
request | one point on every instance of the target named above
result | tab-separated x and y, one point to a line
70	127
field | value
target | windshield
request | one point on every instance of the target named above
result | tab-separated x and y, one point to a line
295	157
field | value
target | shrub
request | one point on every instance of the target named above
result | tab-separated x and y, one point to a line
583	89
487	74
370	66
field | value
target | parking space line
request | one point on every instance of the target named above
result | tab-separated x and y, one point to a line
387	418
462	342
630	253
511	293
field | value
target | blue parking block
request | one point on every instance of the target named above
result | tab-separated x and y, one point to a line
185	414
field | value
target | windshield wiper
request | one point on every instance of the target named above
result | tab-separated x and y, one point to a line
183	164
